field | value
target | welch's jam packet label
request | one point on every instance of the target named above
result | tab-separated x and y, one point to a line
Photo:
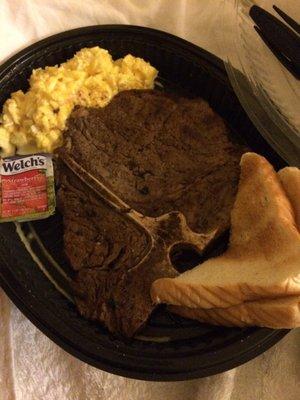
26	188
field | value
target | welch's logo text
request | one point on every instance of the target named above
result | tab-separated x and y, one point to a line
12	166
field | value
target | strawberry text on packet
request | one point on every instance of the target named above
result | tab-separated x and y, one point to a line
26	188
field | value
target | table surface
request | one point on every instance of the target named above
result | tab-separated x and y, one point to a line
31	366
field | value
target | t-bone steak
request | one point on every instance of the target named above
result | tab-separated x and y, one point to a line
147	172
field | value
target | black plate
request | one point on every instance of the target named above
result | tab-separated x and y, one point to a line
195	350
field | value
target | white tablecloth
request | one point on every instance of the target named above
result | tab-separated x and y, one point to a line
34	368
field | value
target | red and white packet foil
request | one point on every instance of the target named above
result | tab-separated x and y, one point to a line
27	188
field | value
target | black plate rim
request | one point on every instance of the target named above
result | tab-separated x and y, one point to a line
159	35
261	341
239	356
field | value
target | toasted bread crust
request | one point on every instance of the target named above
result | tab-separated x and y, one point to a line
281	313
290	180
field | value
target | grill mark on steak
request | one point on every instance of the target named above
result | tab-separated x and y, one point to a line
159	154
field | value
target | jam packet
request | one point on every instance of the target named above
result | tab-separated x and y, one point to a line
26	188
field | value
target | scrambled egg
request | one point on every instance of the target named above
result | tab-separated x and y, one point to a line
33	121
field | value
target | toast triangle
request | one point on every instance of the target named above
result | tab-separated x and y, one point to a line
280	313
263	258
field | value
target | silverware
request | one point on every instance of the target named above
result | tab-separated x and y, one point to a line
284	42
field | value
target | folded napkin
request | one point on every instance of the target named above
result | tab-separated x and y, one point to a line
34	368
